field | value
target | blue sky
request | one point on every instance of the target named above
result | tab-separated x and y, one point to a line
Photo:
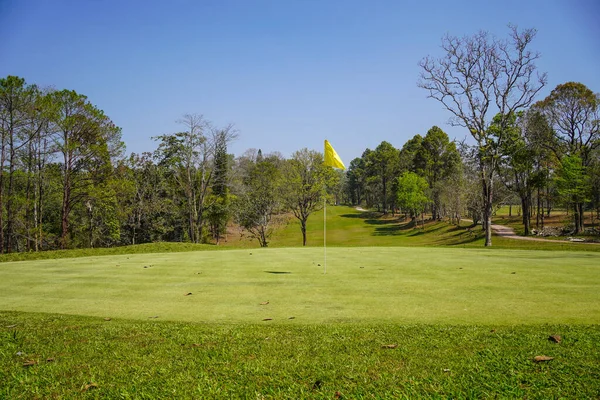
287	73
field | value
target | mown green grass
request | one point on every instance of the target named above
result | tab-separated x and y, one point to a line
346	227
363	284
146	248
467	320
86	357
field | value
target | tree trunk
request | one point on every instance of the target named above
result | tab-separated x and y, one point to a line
526	206
542	213
88	205
384	183
10	236
303	229
65	204
65	217
487	209
2	158
28	202
548	206
538	213
576	218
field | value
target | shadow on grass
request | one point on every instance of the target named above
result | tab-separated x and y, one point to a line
278	272
363	215
395	229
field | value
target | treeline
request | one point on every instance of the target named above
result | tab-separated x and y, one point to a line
541	165
66	182
489	86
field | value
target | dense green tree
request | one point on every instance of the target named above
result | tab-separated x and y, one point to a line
411	194
257	204
436	159
355	181
408	153
573	183
302	186
218	211
86	140
573	111
382	168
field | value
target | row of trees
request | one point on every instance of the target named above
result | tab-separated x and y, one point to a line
65	181
373	178
489	86
537	165
51	142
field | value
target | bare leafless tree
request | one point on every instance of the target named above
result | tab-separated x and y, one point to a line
479	77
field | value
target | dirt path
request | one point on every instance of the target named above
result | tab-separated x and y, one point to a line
507	232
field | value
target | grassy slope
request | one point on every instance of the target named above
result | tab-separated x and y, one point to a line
347	227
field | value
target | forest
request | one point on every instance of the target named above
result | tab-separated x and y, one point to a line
67	182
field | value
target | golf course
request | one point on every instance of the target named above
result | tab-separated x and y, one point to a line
399	312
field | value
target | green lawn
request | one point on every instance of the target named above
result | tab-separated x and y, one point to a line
171	320
86	357
347	227
370	284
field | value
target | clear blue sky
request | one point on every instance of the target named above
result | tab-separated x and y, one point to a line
287	73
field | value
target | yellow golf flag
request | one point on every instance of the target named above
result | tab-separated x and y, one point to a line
331	157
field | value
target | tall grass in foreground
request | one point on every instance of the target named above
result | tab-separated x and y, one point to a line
57	356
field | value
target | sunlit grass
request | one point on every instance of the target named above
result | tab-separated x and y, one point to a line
80	357
378	284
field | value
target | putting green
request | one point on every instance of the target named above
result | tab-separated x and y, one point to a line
375	284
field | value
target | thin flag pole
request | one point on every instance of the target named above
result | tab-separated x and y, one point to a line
330	159
325	232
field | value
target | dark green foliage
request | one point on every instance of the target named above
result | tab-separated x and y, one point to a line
218	211
303	184
436	159
573	112
257	204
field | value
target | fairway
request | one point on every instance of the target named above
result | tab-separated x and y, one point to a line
373	285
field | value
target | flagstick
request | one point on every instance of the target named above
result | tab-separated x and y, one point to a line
325	231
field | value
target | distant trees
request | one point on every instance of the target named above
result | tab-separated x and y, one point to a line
573	112
436	159
86	140
373	178
302	185
257	203
192	157
411	194
475	75
56	151
65	183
